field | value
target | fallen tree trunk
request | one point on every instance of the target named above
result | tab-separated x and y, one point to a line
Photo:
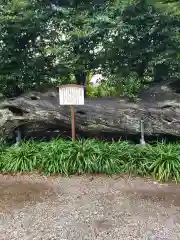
39	115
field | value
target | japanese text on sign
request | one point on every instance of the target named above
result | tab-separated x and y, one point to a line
71	95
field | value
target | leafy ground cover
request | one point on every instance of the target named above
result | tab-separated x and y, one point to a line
160	160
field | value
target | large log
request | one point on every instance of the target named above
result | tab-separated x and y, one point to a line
39	115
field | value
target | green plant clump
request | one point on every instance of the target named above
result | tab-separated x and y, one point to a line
59	156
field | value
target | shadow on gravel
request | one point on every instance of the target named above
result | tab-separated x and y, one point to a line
167	195
16	194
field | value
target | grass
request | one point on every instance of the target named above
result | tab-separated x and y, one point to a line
160	160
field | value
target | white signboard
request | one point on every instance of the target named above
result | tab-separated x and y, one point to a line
71	94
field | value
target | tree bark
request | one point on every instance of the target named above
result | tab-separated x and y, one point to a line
39	115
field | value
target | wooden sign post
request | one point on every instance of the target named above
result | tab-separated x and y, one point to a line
71	94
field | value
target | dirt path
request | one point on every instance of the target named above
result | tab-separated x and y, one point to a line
80	208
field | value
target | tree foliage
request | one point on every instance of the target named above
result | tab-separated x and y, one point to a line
142	39
45	40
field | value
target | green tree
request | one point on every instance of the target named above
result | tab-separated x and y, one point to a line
23	61
41	40
45	40
142	39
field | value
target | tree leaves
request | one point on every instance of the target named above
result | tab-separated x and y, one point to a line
41	40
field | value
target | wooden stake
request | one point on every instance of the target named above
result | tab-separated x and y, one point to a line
142	140
73	123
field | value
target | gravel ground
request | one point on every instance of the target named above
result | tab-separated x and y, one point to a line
88	207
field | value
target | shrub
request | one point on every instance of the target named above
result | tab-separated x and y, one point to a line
165	161
102	90
22	158
60	156
117	86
